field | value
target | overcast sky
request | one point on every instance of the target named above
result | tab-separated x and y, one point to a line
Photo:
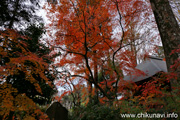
42	12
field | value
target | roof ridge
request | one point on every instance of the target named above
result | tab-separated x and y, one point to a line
154	57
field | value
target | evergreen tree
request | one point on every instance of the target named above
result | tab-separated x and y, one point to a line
33	34
18	13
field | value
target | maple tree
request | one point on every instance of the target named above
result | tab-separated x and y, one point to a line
84	35
99	42
24	76
83	28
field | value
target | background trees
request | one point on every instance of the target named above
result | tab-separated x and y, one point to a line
18	13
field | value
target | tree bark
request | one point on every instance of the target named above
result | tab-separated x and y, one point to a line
96	98
89	91
169	31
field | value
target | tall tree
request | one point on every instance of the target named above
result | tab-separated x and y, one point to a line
85	35
33	34
169	32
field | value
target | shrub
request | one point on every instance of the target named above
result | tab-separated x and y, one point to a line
95	112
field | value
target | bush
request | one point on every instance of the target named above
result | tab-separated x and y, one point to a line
95	112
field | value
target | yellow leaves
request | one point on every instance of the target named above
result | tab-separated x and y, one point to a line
3	73
29	118
2	52
23	103
11	101
6	91
20	69
37	87
32	66
150	96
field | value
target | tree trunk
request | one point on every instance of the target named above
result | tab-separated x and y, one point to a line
169	31
89	91
96	98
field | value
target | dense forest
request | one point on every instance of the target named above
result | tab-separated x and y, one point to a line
81	55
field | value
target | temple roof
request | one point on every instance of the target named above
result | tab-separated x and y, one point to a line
150	67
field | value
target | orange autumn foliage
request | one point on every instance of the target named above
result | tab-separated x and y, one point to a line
91	37
83	33
15	59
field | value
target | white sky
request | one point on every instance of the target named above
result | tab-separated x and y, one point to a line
42	12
